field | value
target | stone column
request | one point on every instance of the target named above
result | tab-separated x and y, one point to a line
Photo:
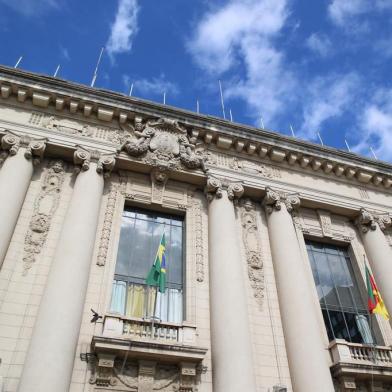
50	358
378	251
230	336
15	177
307	354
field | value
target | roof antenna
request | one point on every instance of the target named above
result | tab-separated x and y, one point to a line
164	97
57	71
374	154
18	62
222	102
197	106
231	116
96	68
130	90
262	122
321	140
292	130
348	147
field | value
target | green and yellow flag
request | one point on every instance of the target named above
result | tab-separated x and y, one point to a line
157	274
375	302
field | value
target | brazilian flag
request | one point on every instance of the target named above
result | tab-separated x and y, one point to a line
157	274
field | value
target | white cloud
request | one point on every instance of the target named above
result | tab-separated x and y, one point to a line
319	44
327	98
32	7
242	33
124	28
153	86
375	124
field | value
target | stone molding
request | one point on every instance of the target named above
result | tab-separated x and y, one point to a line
251	239
45	206
215	187
83	158
367	221
34	148
273	200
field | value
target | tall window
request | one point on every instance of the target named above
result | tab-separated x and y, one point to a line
140	236
345	315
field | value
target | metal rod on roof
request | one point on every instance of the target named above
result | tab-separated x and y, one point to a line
197	106
292	130
130	90
231	116
18	62
57	71
374	154
321	140
348	147
164	97
222	102
97	66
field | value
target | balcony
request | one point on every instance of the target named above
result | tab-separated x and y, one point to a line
360	361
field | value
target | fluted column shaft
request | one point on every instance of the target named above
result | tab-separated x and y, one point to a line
378	252
230	335
15	178
51	354
306	351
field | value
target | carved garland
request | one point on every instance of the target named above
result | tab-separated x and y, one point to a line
45	206
250	236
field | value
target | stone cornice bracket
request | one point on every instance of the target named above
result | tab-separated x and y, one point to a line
83	158
215	187
35	150
273	201
367	221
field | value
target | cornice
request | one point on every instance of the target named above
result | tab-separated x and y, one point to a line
110	108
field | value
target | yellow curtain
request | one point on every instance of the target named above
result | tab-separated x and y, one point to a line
140	301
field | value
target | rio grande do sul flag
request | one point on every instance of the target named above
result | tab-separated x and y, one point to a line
375	302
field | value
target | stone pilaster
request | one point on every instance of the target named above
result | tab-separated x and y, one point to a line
307	354
15	177
230	335
377	250
55	335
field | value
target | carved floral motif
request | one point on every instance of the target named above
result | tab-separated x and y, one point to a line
215	187
165	143
251	239
198	234
45	206
325	223
367	221
274	200
105	162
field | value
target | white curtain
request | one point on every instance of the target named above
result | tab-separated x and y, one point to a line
364	328
169	306
119	290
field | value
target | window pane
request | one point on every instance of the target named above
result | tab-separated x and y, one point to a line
124	249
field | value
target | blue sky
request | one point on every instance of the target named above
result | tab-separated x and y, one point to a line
321	65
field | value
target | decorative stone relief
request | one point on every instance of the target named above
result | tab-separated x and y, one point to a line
103	371
215	188
34	148
146	376
325	223
367	221
251	239
167	378
196	208
126	374
107	225
159	179
251	167
72	127
105	162
45	205
164	143
273	200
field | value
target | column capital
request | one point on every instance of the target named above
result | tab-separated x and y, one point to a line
273	200
215	187
367	220
83	158
35	148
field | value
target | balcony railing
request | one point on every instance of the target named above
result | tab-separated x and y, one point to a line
353	358
151	330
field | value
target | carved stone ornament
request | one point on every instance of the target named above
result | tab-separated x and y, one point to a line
45	205
83	158
164	142
159	179
325	223
35	148
273	200
251	239
103	371
367	221
215	187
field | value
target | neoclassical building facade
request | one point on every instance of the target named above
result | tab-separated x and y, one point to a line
266	241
